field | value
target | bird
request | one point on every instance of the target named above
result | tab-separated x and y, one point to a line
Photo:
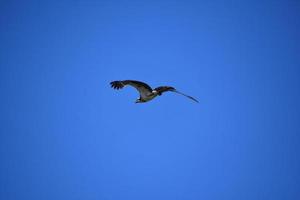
146	92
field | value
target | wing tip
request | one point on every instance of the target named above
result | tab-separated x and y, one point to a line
116	85
196	100
190	97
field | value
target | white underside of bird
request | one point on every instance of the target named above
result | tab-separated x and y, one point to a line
147	97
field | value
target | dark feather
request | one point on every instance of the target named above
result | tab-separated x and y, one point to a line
117	85
192	98
143	88
163	89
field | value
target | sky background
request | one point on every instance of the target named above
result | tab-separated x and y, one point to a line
65	134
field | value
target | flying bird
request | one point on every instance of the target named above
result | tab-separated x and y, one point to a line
146	92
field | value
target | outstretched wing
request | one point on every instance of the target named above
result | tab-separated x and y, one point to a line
163	89
143	88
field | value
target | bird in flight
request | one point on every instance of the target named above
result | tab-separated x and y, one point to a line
146	92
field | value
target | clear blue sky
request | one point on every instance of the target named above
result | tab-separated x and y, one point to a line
65	134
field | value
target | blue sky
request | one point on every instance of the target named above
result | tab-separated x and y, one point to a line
65	134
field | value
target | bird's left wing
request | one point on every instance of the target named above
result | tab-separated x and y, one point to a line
163	89
143	88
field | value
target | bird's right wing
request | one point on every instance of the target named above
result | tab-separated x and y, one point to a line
163	89
143	88
192	98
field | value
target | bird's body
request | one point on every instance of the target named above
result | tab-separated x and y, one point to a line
148	97
146	92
